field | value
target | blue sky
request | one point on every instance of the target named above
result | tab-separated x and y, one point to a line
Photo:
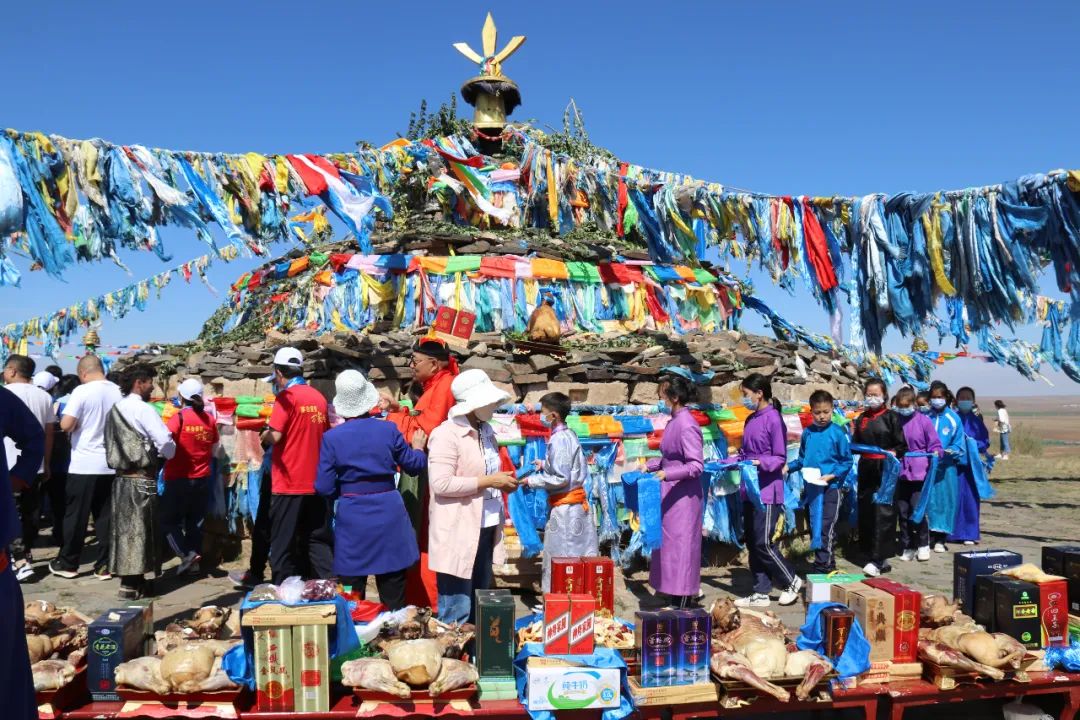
843	97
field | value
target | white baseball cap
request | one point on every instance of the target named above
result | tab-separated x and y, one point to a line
286	357
190	388
45	380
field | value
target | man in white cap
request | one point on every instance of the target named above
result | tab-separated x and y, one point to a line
301	537
45	380
187	476
18	371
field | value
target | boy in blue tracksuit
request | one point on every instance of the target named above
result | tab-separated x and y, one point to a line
825	462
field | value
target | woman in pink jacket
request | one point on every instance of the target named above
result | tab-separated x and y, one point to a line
466	511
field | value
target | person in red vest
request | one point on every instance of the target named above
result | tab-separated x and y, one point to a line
434	368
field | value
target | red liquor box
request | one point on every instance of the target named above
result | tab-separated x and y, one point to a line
582	610
1054	613
906	612
556	624
599	576
567	576
838	622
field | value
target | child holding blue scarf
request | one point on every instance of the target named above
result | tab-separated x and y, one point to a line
921	438
966	528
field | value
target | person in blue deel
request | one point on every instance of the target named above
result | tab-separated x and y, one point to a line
19	425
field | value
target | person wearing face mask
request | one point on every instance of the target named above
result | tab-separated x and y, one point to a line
467	476
570	531
966	528
922	402
136	444
950	431
765	445
825	462
879	427
921	438
675	568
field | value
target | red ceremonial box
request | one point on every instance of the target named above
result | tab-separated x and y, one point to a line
556	623
600	581
567	576
582	609
908	604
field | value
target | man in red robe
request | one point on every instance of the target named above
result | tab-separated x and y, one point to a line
434	369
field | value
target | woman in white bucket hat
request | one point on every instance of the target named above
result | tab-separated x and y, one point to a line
357	462
466	516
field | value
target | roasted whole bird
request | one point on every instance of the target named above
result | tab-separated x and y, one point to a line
997	651
942	654
142	674
52	674
453	674
938	611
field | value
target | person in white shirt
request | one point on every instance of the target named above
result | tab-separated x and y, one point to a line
1003	428
136	445
90	479
18	371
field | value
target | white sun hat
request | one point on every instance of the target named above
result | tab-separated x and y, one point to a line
190	388
45	380
473	390
355	396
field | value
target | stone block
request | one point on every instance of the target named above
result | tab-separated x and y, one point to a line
485	363
530	379
644	393
540	363
607	393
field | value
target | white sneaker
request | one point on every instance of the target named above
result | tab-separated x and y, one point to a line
754	600
907	555
999	456
872	570
940	548
190	559
969	542
1004	457
24	572
789	596
924	553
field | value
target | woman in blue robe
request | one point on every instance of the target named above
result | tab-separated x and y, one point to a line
966	527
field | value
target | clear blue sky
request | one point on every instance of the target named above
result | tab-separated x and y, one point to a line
840	97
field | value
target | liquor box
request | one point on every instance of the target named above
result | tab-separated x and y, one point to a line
1053	558
497	689
117	636
838	622
1072	575
556	684
582	615
654	634
599	578
875	610
567	576
556	624
906	613
983	610
312	668
1016	611
692	646
275	687
970	565
839	593
495	645
819	587
1054	613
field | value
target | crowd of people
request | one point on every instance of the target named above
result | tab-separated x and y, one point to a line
412	495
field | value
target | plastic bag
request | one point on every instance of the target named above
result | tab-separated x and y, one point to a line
317	590
1068	658
291	591
264	593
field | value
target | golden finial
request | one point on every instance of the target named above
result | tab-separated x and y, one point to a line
492	94
91	340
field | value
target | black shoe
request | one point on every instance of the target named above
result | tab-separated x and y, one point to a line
130	593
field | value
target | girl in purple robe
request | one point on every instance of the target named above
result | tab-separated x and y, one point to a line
966	528
765	445
675	568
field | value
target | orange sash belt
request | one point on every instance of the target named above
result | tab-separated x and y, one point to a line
573	497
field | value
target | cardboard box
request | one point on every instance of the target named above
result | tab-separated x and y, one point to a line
582	613
275	688
1054	613
654	634
501	689
983	610
1053	558
839	593
567	576
693	646
495	641
838	622
556	624
115	637
312	668
970	565
1072	575
875	610
554	684
906	616
819	587
599	578
1016	611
